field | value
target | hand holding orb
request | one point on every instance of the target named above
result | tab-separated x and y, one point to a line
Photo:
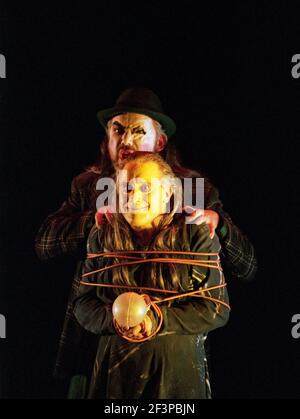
129	309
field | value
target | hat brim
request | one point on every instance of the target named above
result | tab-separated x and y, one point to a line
166	122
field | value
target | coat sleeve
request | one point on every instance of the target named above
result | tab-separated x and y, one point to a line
65	232
237	254
92	313
196	315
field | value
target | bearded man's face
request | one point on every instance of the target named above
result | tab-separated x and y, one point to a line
129	133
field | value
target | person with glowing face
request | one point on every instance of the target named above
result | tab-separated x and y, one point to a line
147	220
144	202
144	198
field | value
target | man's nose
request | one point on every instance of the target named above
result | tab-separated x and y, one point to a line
127	138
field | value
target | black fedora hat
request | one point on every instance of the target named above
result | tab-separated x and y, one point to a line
139	100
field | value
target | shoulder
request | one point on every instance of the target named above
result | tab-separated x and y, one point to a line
93	242
200	239
211	194
85	179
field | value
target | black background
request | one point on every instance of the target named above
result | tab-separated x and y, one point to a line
224	74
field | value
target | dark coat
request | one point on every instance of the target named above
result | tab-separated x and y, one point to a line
172	364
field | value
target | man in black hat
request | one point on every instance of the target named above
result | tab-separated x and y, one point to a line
136	123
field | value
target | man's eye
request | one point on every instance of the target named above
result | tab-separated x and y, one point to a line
145	188
119	131
139	131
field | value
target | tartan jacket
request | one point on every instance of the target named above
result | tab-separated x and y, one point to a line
65	233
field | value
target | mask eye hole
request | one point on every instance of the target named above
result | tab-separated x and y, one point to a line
129	187
145	188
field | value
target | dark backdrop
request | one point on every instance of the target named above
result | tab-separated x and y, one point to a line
224	74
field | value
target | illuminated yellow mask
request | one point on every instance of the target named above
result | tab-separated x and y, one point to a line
147	195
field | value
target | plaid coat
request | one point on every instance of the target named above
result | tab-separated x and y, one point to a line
65	233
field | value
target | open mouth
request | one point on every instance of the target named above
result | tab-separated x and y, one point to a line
124	153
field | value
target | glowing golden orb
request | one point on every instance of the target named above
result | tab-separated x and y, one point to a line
129	309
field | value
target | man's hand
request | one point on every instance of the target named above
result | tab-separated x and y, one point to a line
107	211
199	216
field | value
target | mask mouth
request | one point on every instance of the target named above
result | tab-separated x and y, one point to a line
134	210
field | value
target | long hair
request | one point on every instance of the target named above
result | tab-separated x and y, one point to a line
103	165
116	234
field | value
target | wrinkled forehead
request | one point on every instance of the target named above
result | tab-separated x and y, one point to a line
133	120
